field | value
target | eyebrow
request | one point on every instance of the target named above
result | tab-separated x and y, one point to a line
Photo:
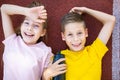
28	19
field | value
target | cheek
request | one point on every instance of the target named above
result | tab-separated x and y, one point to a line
22	28
68	40
83	36
38	32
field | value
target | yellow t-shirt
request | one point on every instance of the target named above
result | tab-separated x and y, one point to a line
85	64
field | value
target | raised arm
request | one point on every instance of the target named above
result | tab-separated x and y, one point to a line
107	20
8	9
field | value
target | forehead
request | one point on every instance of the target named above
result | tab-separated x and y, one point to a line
28	19
74	26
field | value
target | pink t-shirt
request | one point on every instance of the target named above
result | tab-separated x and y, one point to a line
23	62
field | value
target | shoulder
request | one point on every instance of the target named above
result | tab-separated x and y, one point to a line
44	46
11	39
97	47
97	43
41	45
64	51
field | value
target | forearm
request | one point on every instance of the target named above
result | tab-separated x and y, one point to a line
13	9
108	23
101	16
6	11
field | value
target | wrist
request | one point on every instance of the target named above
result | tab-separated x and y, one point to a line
85	10
26	11
47	75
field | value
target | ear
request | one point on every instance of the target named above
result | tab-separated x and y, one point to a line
43	33
63	37
86	32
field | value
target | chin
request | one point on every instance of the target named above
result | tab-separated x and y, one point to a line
77	49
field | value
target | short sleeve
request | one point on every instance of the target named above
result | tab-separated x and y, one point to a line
49	58
99	48
8	41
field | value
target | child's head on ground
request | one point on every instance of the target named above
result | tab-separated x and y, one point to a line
74	31
33	31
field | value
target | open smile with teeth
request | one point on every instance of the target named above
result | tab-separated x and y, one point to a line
76	45
28	34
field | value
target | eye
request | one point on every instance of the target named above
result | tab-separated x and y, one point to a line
36	26
25	23
70	34
79	33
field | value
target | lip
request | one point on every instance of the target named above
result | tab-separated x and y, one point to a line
76	45
28	34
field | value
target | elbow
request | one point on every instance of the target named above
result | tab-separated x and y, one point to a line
2	8
113	19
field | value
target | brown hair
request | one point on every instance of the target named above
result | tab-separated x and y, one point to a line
35	4
71	18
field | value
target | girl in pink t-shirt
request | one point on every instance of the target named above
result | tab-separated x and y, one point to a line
26	56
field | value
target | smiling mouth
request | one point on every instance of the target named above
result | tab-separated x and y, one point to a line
29	35
76	45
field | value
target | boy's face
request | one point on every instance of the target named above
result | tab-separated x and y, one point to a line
75	36
31	31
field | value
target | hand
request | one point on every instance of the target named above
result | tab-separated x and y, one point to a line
55	69
79	10
38	14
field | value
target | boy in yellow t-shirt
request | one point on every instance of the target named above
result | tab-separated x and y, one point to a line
84	63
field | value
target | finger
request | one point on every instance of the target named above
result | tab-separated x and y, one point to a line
40	21
42	11
59	72
62	65
73	9
44	17
42	7
61	68
44	14
60	60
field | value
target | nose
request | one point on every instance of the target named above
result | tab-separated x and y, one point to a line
29	27
76	38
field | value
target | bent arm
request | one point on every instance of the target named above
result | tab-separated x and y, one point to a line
107	20
6	11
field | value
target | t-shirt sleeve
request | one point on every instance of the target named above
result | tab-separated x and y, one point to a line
98	48
8	41
49	58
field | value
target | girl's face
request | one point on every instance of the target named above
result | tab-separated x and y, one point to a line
31	31
75	36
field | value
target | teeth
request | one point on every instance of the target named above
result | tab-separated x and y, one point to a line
76	44
27	34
